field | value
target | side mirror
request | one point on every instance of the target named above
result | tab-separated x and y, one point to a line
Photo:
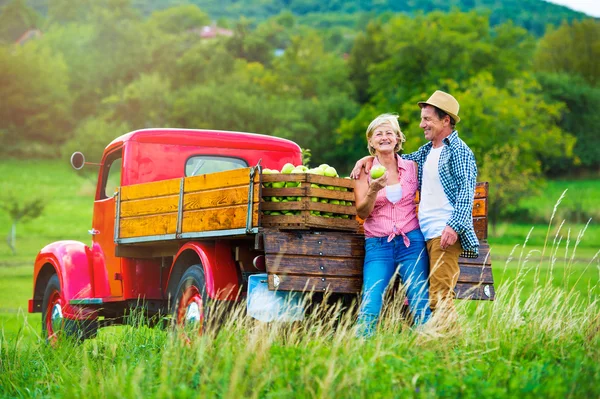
77	160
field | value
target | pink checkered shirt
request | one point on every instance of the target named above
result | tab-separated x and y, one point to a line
391	220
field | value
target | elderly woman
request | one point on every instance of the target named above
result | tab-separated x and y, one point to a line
394	243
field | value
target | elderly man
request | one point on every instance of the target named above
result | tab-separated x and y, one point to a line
447	176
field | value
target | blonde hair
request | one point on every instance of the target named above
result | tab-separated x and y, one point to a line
392	120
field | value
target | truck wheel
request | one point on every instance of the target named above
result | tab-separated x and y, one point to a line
54	325
190	306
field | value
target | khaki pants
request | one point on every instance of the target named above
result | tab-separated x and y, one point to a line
443	275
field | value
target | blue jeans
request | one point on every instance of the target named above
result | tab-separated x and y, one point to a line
382	260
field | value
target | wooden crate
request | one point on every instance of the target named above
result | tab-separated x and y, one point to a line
171	208
302	211
314	261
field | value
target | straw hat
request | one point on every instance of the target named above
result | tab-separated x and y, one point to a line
445	102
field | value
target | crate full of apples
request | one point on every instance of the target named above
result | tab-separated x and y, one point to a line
298	197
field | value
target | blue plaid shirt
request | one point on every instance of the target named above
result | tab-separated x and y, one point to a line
458	173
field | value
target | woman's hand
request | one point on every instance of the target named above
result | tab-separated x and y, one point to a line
378	184
364	162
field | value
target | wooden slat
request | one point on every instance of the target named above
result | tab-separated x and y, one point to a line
475	291
347	285
475	274
483	259
149	206
218	198
314	265
303	222
233	217
310	206
480	224
229	178
308	192
480	207
307	243
148	225
150	190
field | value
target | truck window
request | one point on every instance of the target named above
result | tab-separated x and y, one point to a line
111	175
201	164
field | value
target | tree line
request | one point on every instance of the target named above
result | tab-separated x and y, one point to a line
101	68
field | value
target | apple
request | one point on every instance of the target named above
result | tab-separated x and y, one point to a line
287	168
331	172
377	171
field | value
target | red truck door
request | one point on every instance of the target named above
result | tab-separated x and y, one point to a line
107	267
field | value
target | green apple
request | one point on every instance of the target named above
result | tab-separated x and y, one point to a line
278	184
331	172
377	171
287	168
300	169
334	202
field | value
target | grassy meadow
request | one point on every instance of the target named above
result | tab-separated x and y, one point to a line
540	338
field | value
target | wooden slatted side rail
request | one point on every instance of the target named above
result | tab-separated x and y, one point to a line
210	202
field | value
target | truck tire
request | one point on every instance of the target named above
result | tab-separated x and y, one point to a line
190	310
54	325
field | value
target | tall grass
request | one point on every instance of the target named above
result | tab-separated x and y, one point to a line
545	343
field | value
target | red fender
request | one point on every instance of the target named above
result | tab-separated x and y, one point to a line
72	262
219	269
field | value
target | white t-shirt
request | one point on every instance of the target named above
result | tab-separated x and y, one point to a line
394	192
434	208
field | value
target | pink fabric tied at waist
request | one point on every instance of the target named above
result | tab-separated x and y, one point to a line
404	237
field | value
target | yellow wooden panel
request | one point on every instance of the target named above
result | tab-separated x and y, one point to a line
150	206
233	217
148	225
236	177
480	207
150	190
218	198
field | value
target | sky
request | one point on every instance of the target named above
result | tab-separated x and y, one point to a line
590	7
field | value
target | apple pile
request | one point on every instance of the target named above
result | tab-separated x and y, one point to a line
322	170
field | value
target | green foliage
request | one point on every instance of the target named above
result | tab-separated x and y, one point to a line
35	110
144	103
92	136
579	117
16	18
178	19
573	49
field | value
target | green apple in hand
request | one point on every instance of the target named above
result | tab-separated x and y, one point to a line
377	171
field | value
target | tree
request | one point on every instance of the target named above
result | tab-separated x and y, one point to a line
15	19
178	19
20	210
579	117
35	111
572	49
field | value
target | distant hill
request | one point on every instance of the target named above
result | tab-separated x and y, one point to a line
533	15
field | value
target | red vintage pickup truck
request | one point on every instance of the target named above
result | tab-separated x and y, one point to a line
183	218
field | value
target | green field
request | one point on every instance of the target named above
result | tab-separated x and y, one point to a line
540	338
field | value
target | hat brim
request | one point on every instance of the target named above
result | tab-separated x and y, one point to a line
454	116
